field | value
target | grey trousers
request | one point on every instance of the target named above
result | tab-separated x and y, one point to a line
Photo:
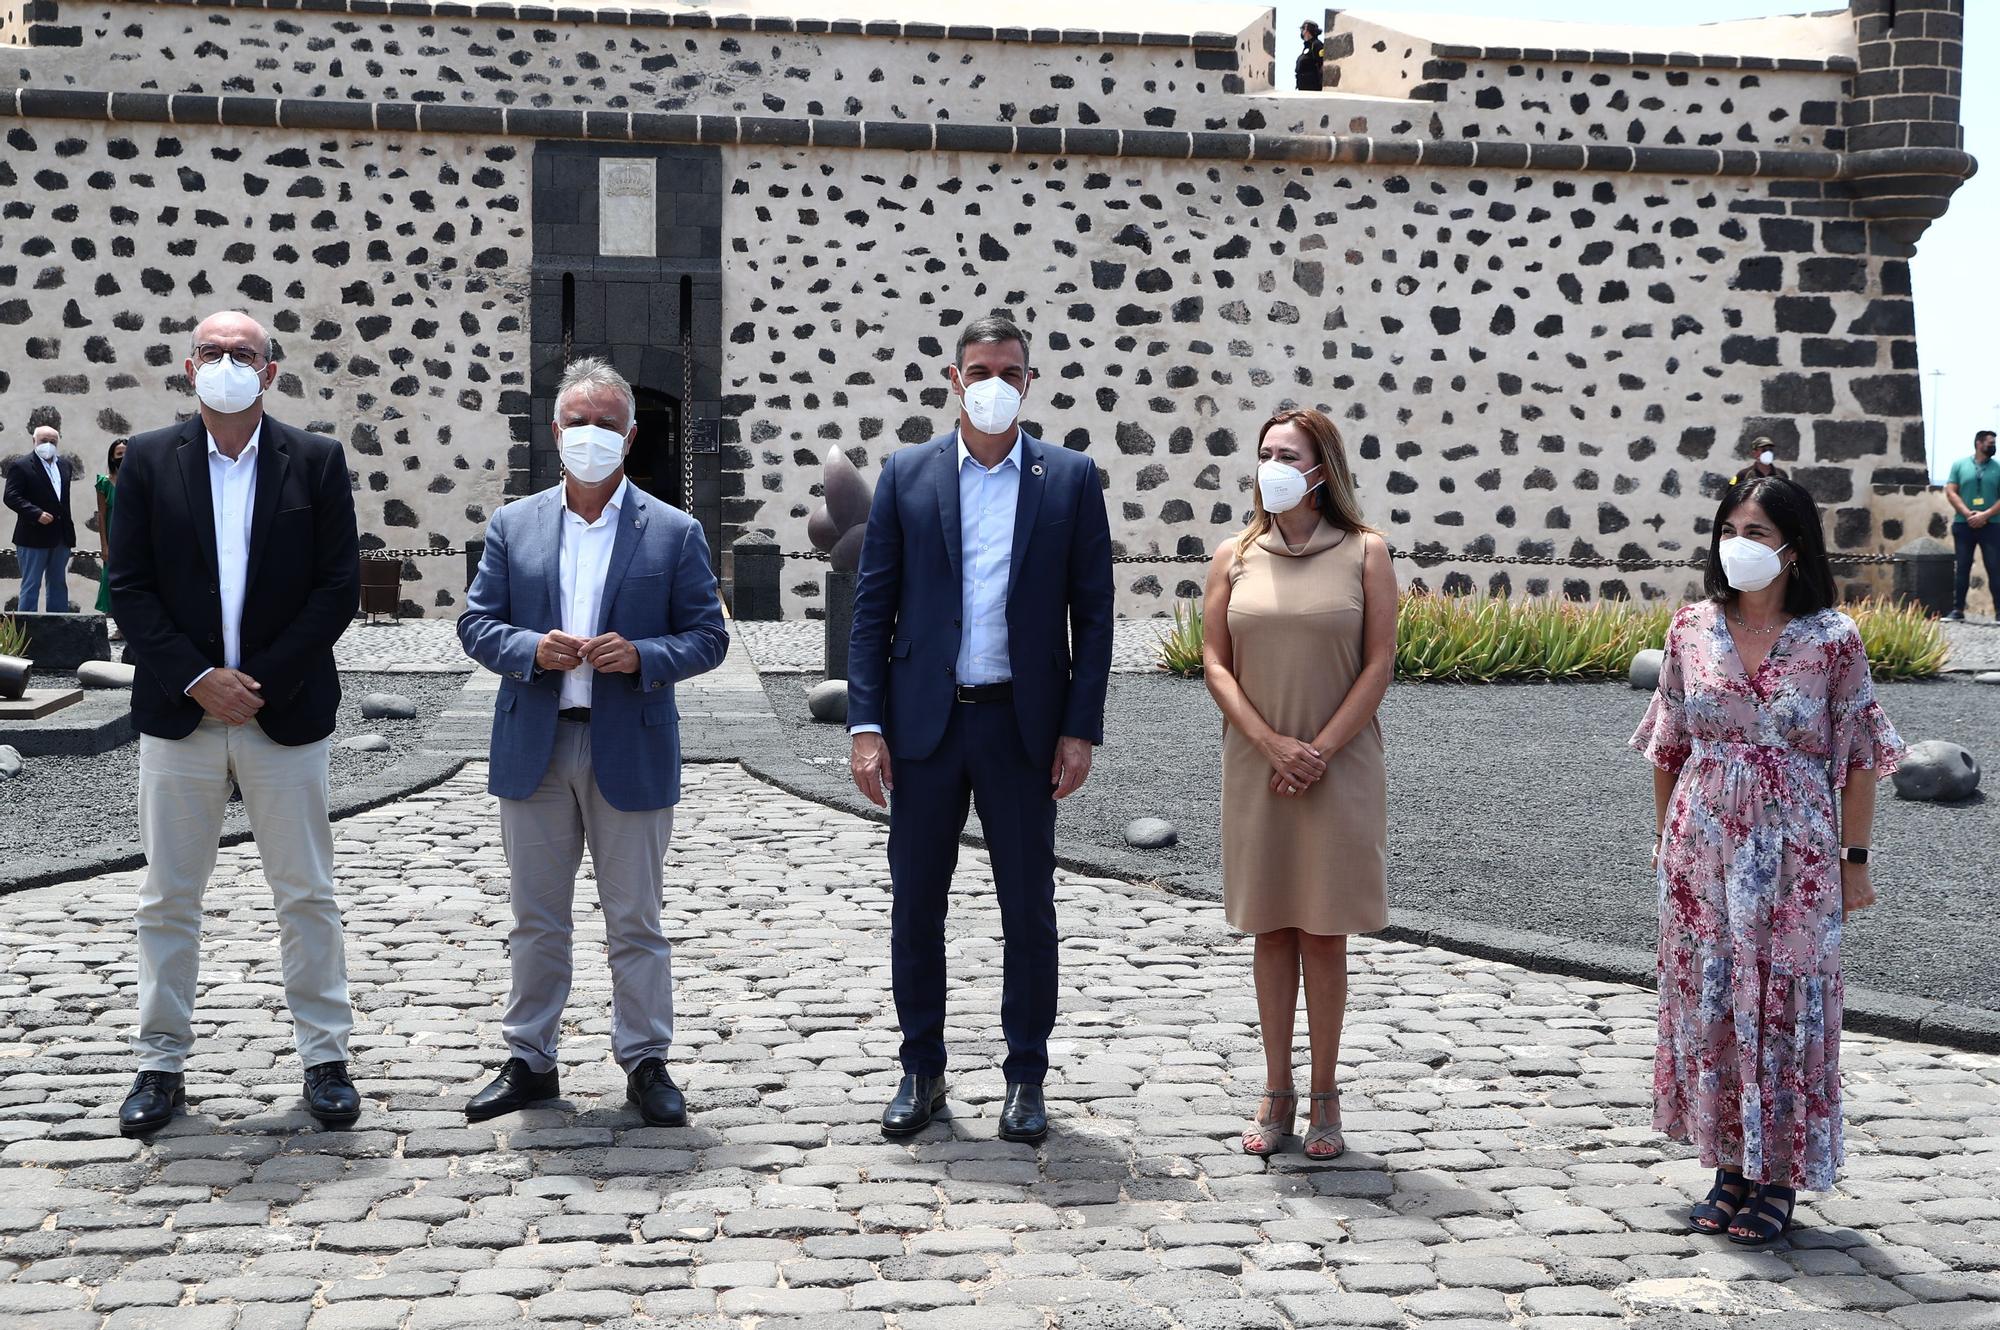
544	837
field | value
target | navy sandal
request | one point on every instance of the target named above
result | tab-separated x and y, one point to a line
1724	1199
1762	1222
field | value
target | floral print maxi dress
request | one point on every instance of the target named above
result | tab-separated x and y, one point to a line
1748	1068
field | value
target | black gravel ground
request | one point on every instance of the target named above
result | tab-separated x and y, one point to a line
82	804
1519	806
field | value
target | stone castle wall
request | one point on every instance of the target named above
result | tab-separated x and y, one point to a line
1549	295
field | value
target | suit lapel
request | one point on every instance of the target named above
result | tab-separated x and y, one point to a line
945	463
274	459
1027	505
625	538
549	529
192	455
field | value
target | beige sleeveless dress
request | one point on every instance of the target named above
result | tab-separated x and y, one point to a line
1317	862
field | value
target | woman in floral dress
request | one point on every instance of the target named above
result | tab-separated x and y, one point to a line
1764	715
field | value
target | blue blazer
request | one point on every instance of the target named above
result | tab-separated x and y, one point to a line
659	594
903	652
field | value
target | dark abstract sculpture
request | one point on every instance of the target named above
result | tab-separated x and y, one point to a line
840	522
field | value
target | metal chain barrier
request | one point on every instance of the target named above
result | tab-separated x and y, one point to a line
1440	556
687	422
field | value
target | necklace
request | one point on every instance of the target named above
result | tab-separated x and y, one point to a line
1756	632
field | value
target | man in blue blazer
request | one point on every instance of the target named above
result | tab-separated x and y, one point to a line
593	599
978	664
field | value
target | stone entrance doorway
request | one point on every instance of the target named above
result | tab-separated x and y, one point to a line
627	266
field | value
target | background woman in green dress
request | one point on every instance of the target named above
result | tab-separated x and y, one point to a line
107	491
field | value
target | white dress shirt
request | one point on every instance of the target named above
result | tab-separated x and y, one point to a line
232	495
584	564
987	500
54	470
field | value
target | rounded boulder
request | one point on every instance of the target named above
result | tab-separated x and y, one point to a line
1150	833
828	701
366	743
1645	671
1937	771
104	674
388	706
10	762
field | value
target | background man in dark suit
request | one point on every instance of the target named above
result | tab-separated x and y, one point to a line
233	572
979	660
38	492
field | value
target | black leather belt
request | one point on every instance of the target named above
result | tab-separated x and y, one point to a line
581	715
986	692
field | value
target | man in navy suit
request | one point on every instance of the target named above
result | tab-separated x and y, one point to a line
593	599
38	492
978	664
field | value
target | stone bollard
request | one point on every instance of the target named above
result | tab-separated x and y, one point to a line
1924	571
757	568
839	621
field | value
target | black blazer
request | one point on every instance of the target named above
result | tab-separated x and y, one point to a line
29	494
303	588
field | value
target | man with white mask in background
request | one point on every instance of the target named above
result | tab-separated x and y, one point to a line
37	490
593	599
234	570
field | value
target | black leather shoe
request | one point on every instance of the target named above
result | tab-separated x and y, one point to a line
649	1089
514	1088
1022	1117
917	1101
151	1103
330	1096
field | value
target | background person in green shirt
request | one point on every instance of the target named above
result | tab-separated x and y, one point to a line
1974	490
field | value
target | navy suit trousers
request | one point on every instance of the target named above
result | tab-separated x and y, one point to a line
980	762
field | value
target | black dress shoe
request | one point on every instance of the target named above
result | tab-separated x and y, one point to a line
330	1096
917	1101
151	1104
1022	1117
515	1087
649	1089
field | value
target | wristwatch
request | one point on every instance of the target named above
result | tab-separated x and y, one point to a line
1854	854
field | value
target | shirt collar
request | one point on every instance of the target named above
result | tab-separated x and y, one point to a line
614	504
1013	454
249	449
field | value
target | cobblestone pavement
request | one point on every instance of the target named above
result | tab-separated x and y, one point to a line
798	646
1974	644
407	646
1501	1170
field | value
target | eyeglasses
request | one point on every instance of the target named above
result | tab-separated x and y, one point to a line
208	353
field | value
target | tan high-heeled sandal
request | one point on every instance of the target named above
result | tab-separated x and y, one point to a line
1325	1134
1270	1133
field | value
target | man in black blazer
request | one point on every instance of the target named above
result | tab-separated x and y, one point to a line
44	534
234	569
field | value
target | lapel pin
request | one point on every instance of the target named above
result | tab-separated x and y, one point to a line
1036	469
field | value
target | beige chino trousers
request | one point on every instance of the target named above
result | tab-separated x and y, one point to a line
184	789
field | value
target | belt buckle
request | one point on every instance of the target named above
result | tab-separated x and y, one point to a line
959	692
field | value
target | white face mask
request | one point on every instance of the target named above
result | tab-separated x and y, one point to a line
1750	565
1767	457
1282	486
227	387
991	405
46	451
591	452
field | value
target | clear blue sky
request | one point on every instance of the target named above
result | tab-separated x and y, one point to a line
1957	275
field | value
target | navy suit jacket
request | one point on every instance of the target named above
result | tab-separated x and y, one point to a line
659	595
903	652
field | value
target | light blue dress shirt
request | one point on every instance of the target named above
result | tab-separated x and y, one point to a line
986	503
987	499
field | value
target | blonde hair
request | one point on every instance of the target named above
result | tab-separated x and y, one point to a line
1333	496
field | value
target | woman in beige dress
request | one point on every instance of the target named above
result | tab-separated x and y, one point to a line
1300	613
